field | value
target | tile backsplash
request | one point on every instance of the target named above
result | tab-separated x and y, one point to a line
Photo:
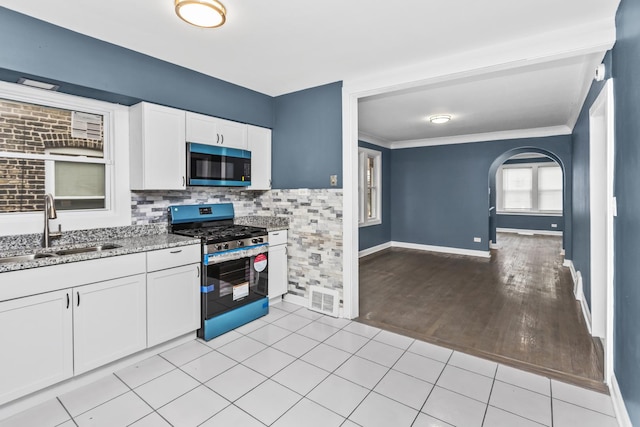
315	225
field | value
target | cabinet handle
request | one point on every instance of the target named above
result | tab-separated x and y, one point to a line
198	268
217	138
222	135
176	251
183	181
78	293
67	300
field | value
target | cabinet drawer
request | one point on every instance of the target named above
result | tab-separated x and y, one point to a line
172	257
278	237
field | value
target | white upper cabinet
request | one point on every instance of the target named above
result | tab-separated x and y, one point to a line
157	147
213	131
259	143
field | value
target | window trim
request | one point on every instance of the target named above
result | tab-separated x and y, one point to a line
363	154
116	160
534	190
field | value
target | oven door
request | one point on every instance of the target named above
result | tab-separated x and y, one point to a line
209	165
231	284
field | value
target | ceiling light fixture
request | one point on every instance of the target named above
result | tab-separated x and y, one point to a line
439	119
39	85
201	13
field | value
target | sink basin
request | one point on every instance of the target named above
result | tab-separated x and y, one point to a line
23	258
104	247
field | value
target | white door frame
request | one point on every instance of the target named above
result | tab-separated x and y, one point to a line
495	58
602	210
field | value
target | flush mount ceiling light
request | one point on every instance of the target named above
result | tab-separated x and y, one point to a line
439	119
39	85
201	13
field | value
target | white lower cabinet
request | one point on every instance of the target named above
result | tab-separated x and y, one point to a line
278	269
68	319
37	343
109	321
173	308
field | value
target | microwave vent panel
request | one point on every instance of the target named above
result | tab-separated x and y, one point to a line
323	300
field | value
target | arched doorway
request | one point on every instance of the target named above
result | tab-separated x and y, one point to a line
493	205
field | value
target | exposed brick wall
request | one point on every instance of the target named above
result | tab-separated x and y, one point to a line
28	128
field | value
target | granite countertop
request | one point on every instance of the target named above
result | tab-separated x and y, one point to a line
271	223
128	245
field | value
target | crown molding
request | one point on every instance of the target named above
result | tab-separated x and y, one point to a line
483	137
381	142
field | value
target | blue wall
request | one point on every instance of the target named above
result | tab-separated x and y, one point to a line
626	77
307	138
581	198
374	235
92	68
530	222
440	194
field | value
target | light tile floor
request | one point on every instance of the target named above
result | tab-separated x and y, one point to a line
295	367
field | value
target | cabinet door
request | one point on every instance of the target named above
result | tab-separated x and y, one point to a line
109	321
278	274
232	134
259	143
37	343
202	129
173	307
164	148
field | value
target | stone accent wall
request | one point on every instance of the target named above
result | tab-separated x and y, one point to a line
315	225
28	128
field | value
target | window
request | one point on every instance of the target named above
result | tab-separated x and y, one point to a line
63	145
529	188
369	187
517	188
550	188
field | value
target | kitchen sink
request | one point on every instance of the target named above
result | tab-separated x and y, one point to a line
98	248
23	258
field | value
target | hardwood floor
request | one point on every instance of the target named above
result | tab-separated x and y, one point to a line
517	308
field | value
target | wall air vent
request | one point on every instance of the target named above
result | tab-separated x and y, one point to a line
323	300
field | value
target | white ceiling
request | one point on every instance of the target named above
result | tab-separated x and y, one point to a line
281	46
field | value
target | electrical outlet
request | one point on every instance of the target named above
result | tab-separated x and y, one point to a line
554	225
333	179
477	239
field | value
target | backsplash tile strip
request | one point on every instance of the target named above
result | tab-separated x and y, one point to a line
314	217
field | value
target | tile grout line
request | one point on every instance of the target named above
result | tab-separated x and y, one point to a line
67	411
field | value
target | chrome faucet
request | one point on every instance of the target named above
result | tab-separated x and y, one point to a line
49	213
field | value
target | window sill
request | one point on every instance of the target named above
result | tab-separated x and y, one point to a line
370	223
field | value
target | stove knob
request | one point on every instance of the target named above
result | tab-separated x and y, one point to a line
240	243
226	246
260	240
254	240
219	247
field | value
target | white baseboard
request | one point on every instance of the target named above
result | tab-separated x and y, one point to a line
622	415
586	311
296	299
493	245
523	231
578	292
21	404
374	249
442	249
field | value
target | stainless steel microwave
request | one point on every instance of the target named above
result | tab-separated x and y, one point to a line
211	165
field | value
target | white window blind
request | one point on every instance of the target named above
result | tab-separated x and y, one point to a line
517	184
550	188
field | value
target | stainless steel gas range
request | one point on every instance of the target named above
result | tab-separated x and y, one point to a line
234	287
